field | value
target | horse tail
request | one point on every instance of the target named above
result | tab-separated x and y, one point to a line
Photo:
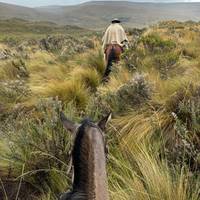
111	58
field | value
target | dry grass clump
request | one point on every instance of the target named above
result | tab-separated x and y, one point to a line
14	69
141	175
68	91
118	77
96	60
190	53
88	76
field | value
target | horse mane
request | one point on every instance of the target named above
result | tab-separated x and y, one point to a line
77	150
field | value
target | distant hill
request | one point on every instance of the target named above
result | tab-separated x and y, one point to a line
12	11
99	13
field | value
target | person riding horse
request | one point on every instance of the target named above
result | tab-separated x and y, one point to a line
114	41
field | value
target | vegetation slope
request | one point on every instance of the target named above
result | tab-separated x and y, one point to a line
154	95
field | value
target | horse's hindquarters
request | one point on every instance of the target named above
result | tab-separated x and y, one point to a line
114	51
112	54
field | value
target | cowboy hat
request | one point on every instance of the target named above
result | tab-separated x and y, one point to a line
115	20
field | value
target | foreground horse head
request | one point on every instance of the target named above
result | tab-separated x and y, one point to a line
89	160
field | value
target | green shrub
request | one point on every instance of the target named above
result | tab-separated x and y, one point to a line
65	46
155	43
135	31
14	91
165	62
133	58
135	92
130	95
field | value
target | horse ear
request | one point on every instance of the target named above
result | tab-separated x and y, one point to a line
102	123
69	125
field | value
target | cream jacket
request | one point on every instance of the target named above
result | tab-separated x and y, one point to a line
114	34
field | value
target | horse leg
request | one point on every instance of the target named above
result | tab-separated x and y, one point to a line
110	58
108	69
66	196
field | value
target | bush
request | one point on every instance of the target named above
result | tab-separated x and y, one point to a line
129	95
133	58
155	43
135	92
14	91
186	105
165	62
135	32
11	41
65	46
185	108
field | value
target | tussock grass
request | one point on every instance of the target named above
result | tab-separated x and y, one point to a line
88	76
96	60
8	71
68	91
139	174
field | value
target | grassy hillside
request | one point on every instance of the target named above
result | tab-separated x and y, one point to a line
18	29
98	14
154	95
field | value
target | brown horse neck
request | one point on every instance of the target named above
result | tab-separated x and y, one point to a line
90	173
